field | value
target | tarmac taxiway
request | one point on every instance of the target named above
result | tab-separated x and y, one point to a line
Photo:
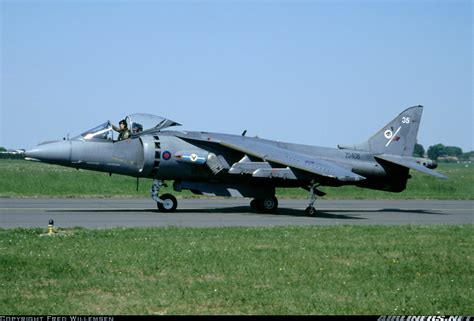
107	213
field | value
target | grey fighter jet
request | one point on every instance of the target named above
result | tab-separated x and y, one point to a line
237	165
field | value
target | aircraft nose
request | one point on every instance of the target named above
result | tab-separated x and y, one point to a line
58	152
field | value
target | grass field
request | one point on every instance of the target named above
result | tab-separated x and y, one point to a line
408	270
30	179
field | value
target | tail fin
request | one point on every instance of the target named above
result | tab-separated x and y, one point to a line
398	137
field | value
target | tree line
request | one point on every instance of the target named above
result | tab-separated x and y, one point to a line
441	152
4	154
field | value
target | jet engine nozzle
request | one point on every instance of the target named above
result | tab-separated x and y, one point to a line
57	152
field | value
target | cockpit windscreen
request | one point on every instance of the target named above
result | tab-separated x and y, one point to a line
102	132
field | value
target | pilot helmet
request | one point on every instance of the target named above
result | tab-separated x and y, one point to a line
136	128
123	122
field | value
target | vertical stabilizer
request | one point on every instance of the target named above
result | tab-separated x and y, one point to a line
398	137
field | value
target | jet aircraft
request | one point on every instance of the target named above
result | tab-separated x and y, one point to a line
241	166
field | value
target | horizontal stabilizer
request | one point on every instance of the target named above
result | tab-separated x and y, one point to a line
399	160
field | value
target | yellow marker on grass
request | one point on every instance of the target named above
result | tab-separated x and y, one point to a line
51	229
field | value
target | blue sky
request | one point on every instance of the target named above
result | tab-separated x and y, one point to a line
311	72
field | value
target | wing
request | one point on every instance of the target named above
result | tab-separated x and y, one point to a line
293	160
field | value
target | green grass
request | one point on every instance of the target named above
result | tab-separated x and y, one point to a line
30	179
408	270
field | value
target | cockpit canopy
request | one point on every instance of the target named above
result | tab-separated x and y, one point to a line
138	124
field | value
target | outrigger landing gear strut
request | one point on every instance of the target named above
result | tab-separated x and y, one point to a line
165	203
313	191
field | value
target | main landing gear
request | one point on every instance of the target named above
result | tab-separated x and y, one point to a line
265	205
166	202
313	191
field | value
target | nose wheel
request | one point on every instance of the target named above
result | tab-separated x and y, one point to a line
169	203
165	202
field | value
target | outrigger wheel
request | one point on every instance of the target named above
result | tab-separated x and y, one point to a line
310	211
313	191
169	203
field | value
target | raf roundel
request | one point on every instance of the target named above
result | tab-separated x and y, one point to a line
388	134
166	155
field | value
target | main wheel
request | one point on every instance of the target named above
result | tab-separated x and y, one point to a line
310	211
268	204
169	203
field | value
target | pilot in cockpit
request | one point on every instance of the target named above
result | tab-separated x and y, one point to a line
137	128
124	132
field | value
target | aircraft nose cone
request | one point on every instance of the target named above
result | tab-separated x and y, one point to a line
54	153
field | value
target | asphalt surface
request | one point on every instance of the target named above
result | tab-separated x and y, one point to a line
107	213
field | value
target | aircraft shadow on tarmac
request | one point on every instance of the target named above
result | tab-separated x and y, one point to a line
217	211
280	212
325	213
398	210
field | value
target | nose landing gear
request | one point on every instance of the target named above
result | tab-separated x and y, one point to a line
169	203
165	203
